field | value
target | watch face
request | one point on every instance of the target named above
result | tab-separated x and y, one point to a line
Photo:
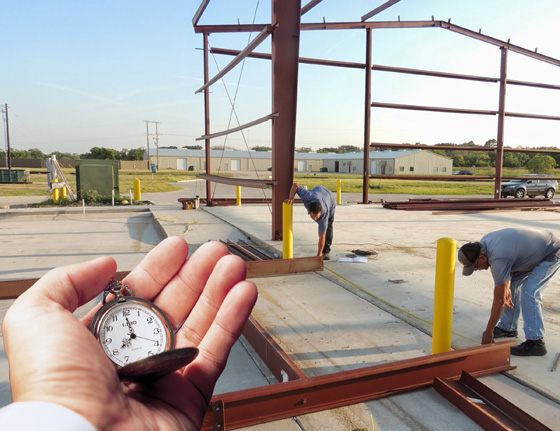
132	329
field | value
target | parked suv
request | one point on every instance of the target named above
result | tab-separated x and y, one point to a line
525	185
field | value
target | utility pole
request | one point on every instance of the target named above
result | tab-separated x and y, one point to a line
148	140
8	158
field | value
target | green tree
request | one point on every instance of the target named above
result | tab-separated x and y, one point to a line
303	150
101	153
541	164
193	147
511	161
261	148
458	160
19	154
36	153
70	156
350	149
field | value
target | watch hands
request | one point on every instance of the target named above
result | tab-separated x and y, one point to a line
144	338
126	343
130	328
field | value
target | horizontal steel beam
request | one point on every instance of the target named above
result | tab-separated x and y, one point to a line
243	182
11	289
433	109
268	403
381	68
238	128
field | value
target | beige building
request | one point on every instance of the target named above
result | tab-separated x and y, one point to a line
407	162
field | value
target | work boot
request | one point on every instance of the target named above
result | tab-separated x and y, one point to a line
502	333
326	256
529	348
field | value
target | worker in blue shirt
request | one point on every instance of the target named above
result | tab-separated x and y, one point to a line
321	205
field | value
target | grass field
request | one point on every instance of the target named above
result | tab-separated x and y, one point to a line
160	182
163	181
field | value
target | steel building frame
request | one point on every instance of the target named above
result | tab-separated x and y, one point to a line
285	47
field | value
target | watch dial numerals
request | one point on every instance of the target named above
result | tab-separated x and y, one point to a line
130	331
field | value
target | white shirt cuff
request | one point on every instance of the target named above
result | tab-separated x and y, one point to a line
32	416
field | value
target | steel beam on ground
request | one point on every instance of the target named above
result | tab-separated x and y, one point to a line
303	396
256	251
296	265
275	359
11	289
238	128
243	250
485	407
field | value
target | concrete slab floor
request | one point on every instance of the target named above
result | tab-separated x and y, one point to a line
332	321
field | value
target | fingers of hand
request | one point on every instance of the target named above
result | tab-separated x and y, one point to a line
158	267
74	285
221	336
212	291
182	293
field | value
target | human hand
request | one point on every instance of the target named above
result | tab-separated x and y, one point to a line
507	297
54	358
487	337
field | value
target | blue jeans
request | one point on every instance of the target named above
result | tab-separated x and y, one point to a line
526	294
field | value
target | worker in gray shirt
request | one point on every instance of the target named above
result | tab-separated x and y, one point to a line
521	261
321	205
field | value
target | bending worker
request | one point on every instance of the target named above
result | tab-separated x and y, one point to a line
320	204
522	261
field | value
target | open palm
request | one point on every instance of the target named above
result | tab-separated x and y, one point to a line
54	358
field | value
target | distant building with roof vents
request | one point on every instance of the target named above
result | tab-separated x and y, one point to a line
405	162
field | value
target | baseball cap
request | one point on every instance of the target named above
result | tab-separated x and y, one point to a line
468	255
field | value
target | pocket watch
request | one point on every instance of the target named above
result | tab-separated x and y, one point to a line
131	328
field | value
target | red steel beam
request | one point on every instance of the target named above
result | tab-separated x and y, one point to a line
501	123
238	128
244	182
485	407
268	403
276	360
367	120
250	47
285	55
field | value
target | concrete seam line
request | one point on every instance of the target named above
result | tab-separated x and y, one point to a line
407	316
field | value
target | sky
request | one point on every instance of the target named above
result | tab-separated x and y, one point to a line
79	74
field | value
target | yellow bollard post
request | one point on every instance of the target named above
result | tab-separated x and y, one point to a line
338	192
55	192
287	233
238	196
137	191
63	192
443	295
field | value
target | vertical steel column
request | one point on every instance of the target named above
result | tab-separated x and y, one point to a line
367	119
501	120
285	55
207	120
